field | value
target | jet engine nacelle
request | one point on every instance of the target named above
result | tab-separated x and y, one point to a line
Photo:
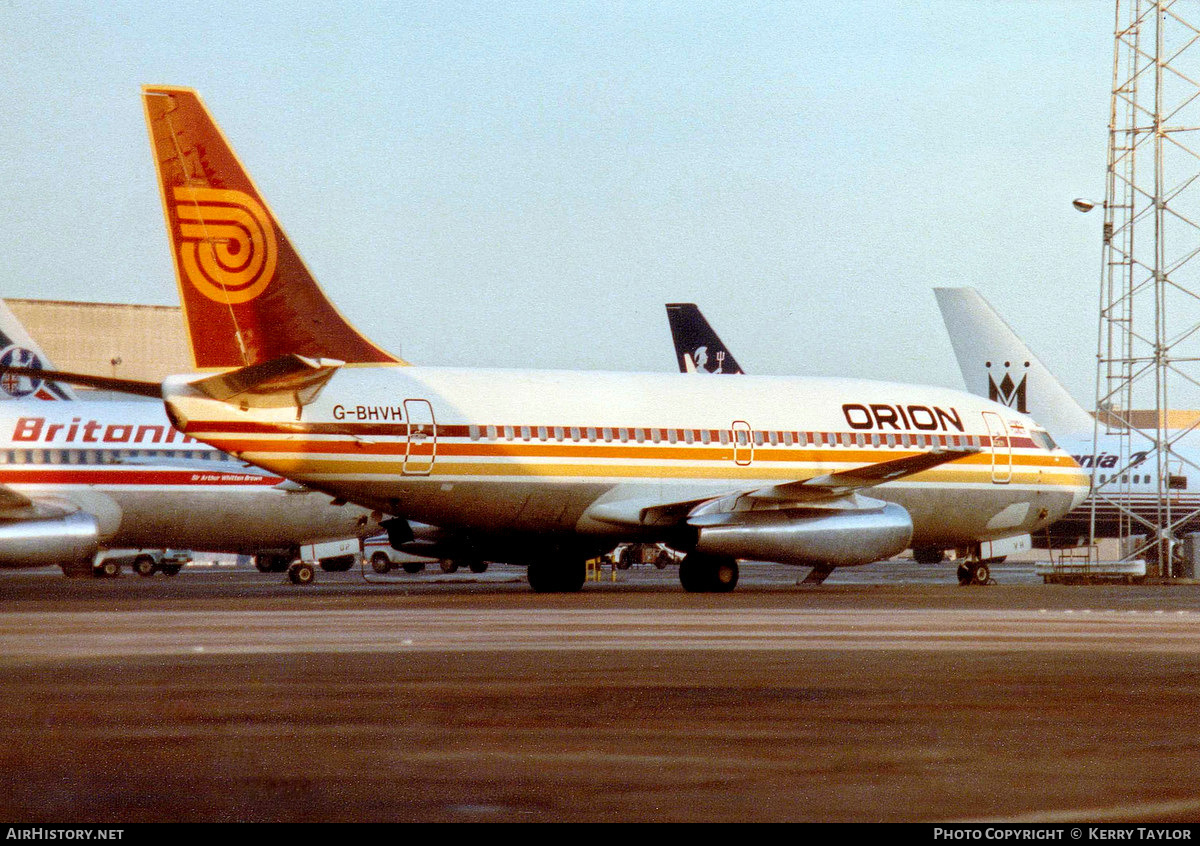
838	539
57	540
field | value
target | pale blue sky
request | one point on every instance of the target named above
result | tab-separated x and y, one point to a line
525	184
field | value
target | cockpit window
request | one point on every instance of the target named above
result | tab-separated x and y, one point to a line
1043	439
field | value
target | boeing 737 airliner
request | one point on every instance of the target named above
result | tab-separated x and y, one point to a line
548	468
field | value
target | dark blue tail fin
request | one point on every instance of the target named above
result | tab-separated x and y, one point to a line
697	346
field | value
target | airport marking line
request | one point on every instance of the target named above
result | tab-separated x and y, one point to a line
33	637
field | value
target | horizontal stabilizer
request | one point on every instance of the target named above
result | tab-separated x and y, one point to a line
284	381
109	383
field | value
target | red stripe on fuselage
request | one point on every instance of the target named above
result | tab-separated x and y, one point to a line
26	475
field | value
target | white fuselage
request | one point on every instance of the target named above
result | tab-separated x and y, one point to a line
150	486
553	452
1128	479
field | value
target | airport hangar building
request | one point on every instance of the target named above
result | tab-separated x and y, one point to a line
146	342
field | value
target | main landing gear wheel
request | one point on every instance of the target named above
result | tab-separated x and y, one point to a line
271	563
476	566
448	565
78	569
144	565
708	573
552	577
929	555
974	573
171	569
301	573
413	567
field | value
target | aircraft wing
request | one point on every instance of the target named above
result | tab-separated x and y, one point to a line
832	485
11	500
16	507
828	492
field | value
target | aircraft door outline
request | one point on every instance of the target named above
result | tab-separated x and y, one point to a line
743	443
1001	448
421	431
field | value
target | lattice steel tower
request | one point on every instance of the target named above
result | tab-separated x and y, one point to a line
1149	341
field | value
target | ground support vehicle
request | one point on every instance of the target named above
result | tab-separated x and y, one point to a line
107	563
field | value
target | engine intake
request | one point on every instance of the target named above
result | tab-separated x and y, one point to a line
805	538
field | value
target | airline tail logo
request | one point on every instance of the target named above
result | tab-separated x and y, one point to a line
1008	392
702	363
15	386
226	243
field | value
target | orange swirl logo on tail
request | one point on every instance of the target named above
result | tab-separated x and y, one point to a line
227	246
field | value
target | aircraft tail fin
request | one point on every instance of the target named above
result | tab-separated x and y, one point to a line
247	296
17	348
697	346
997	364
